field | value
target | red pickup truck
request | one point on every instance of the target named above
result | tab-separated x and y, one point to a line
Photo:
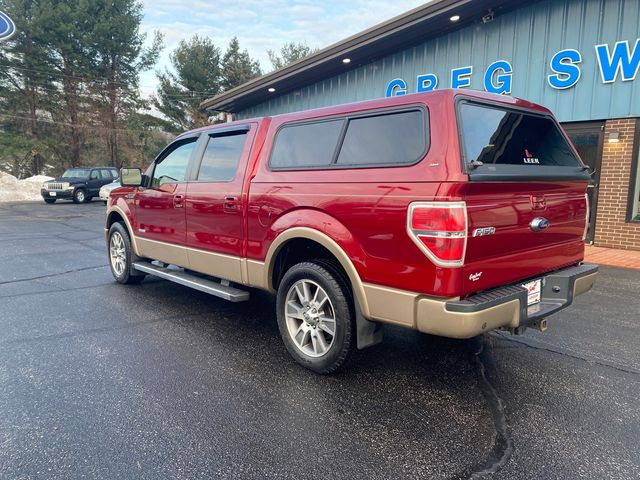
450	212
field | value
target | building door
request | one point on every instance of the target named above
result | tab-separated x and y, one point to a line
588	138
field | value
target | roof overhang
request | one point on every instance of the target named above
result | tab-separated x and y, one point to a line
422	23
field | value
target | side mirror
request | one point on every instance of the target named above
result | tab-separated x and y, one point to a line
130	177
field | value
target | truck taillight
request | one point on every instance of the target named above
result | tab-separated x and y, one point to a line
439	229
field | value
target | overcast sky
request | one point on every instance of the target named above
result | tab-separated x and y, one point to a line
262	24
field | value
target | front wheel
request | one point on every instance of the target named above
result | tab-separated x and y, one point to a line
79	196
315	315
121	256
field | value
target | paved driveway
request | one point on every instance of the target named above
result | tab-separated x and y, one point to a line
99	380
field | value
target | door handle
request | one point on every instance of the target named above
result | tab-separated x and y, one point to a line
177	201
230	203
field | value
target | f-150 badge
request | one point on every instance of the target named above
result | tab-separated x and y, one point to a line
481	232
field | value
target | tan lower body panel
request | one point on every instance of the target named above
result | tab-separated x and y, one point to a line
584	284
429	315
165	252
256	274
433	318
391	305
209	263
215	264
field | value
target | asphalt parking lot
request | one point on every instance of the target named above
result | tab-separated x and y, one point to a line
100	380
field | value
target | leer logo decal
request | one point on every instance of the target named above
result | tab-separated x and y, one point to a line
474	277
529	158
7	27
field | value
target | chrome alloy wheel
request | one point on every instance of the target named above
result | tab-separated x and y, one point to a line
80	196
117	253
310	318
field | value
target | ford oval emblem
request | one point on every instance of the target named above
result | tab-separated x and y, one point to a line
7	27
538	224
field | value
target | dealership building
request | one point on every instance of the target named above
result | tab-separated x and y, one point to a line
579	58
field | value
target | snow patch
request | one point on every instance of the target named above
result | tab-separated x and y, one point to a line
27	190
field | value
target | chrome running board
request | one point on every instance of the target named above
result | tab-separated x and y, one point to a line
193	281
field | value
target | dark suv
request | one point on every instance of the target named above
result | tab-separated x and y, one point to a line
79	184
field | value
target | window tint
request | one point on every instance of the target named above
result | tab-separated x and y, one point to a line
95	175
76	173
393	138
306	145
106	174
506	137
221	158
173	167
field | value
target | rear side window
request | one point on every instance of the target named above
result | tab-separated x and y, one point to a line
386	138
221	157
394	138
511	143
306	145
106	174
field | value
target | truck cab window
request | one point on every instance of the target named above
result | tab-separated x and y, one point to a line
172	167
221	157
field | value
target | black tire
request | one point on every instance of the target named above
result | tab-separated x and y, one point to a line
327	275
128	275
79	196
49	200
104	201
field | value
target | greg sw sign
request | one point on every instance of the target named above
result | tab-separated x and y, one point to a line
7	27
618	62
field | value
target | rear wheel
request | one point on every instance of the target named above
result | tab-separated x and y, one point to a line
121	256
315	316
79	196
49	200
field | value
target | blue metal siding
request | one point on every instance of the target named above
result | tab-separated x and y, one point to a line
527	38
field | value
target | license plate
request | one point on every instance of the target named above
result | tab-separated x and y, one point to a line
52	194
534	289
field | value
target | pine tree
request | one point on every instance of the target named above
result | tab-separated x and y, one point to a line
237	66
197	77
289	53
63	27
116	47
26	77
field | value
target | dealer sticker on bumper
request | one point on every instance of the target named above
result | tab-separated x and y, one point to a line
534	289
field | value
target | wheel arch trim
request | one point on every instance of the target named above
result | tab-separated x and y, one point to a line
327	242
114	209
